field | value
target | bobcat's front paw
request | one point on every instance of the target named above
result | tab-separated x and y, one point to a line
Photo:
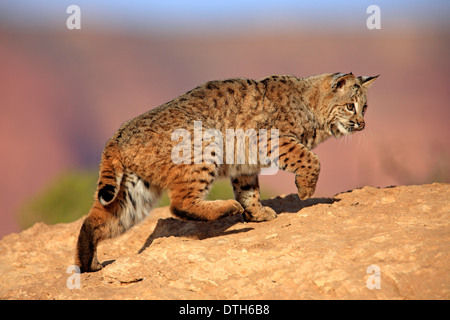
264	214
305	189
305	193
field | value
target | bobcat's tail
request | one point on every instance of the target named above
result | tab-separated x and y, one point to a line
110	175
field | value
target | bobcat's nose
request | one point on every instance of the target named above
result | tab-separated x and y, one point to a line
361	125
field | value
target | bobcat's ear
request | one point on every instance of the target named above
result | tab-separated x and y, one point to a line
340	79
366	82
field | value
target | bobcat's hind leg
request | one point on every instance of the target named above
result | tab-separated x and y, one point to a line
246	191
187	197
190	205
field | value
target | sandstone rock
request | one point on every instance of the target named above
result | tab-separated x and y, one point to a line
315	249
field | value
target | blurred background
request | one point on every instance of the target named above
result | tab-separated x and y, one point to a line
64	92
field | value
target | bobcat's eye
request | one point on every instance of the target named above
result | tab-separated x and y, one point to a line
350	106
364	109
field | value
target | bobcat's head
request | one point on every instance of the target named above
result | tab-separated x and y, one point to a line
345	103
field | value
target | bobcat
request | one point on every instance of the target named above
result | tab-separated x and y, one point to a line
137	162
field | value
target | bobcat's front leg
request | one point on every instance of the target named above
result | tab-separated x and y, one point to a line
295	157
246	191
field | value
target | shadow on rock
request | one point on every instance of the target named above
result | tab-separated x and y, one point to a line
172	227
292	203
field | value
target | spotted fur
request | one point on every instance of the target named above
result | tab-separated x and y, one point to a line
136	164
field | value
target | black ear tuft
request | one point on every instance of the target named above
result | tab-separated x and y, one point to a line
366	81
106	194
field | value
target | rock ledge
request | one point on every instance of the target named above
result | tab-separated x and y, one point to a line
316	249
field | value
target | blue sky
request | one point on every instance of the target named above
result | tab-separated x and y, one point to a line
214	15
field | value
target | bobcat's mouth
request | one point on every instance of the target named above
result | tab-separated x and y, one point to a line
342	129
339	129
